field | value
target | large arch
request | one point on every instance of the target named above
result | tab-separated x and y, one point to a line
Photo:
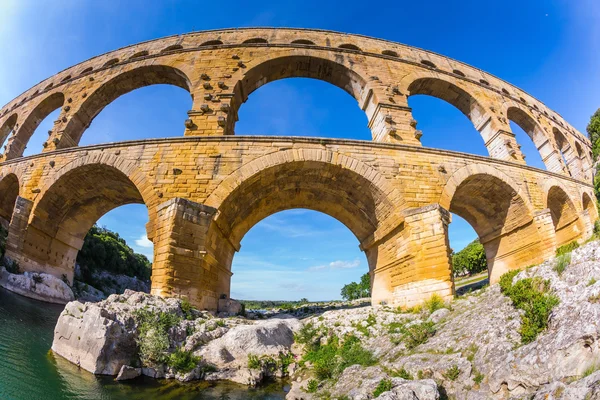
588	205
67	209
33	120
9	190
336	185
265	71
502	218
525	121
464	101
567	225
119	85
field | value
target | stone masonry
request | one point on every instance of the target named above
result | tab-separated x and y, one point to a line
206	189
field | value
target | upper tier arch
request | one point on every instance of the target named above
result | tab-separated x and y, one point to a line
373	71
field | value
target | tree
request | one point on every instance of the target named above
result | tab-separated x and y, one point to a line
593	131
354	290
469	260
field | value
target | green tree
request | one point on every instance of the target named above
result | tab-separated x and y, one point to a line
593	130
469	260
354	290
106	250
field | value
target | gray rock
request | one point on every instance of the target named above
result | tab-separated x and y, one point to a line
128	372
39	286
438	315
229	307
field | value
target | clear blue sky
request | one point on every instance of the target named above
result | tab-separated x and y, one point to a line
548	48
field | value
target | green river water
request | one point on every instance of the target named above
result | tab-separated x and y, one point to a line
29	370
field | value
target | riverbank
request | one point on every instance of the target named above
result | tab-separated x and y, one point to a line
534	337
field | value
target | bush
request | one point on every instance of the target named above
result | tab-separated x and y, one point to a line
385	385
562	262
331	359
417	334
312	386
567	248
530	295
183	361
435	302
452	373
153	338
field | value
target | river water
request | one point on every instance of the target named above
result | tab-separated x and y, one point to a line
30	371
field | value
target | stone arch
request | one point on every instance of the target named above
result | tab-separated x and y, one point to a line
428	84
587	204
568	153
7	127
565	218
301	65
30	124
525	121
334	184
119	85
500	214
71	201
9	191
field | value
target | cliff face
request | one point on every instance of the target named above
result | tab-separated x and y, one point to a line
478	346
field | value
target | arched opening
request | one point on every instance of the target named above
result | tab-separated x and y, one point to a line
528	148
537	136
274	262
312	105
9	190
34	131
564	216
501	219
566	152
66	212
350	198
302	107
469	263
434	104
6	130
588	205
118	86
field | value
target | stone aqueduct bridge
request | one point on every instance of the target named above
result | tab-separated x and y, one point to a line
206	189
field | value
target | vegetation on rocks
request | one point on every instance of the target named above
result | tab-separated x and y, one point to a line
106	250
567	248
357	290
530	295
153	337
469	260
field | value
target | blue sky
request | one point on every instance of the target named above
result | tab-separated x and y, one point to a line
548	48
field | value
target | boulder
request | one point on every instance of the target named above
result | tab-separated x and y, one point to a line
438	315
39	286
91	337
127	373
229	307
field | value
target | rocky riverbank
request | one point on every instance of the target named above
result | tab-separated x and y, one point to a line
489	344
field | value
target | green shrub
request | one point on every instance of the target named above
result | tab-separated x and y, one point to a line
312	386
567	248
592	281
562	262
530	295
330	360
183	361
477	376
254	361
404	374
153	338
385	385
435	302
452	373
417	334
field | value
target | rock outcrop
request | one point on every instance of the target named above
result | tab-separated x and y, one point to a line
39	286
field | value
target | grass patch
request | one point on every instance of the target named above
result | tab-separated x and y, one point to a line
590	370
567	248
417	334
562	262
452	373
435	302
385	385
477	376
530	295
591	281
312	386
331	359
183	361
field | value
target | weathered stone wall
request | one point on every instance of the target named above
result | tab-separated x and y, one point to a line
382	192
204	191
